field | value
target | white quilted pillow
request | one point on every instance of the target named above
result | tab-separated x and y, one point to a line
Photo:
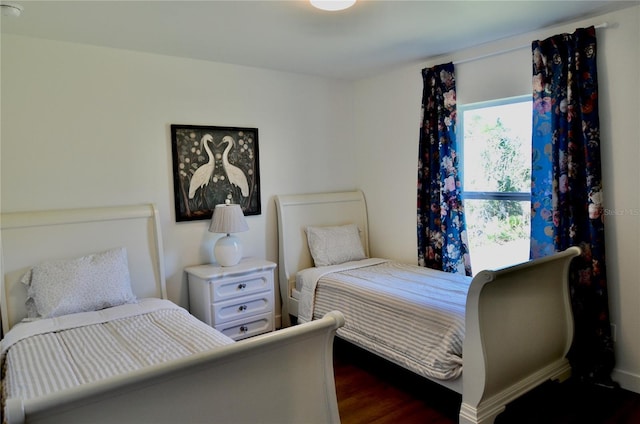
88	283
335	245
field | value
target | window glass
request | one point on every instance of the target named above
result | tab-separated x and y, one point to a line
496	180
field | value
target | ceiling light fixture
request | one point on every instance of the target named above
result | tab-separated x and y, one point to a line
10	9
332	5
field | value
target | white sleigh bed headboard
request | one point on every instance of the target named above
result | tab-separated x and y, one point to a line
295	214
29	238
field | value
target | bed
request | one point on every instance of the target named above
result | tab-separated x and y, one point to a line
514	325
218	380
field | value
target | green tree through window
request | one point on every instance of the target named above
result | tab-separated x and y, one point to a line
496	178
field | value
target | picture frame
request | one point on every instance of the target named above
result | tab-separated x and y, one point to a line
214	165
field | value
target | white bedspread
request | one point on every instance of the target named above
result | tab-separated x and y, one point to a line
307	279
411	315
49	355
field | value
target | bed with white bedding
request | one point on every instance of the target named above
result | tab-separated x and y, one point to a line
53	354
490	338
407	308
90	337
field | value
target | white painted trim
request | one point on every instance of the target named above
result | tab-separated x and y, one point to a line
627	380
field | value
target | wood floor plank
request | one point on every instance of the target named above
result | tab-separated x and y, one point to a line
371	390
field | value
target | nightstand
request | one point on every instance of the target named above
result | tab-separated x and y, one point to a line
236	300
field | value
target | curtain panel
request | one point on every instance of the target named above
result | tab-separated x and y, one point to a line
442	237
566	190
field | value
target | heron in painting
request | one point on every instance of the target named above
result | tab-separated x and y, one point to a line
203	174
235	174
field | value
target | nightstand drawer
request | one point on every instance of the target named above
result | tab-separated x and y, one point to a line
241	286
239	308
236	300
252	326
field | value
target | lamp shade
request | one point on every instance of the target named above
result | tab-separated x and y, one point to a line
228	219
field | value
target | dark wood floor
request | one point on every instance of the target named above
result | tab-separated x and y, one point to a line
373	391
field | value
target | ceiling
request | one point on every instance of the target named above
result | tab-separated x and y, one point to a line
291	36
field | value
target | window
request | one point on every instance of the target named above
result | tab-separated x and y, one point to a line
496	180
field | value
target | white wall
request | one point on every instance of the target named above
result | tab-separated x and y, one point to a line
387	129
89	126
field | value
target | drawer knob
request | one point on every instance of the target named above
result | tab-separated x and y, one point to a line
242	308
242	286
244	329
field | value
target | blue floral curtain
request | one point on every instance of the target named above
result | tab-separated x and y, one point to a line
442	237
566	191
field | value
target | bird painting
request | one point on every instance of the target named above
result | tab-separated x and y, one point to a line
235	174
203	174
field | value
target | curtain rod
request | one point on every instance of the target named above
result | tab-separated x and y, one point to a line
499	52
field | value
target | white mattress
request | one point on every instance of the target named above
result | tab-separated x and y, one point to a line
49	355
411	315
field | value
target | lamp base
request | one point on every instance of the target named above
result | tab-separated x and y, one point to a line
228	250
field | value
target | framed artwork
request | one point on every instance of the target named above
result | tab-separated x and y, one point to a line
212	165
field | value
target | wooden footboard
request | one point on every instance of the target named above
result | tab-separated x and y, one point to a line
284	377
519	328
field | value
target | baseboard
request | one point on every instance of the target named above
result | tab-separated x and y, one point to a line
627	380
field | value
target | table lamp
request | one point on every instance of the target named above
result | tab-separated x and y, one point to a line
228	219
